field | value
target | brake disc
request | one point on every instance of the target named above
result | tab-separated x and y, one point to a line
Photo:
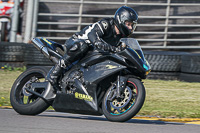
122	102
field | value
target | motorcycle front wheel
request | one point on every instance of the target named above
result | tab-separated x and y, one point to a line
128	105
24	102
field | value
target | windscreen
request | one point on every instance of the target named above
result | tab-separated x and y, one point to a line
134	45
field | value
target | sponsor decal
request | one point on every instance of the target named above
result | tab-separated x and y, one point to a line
83	97
110	66
103	67
105	24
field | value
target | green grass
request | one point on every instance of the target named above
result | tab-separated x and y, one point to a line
171	99
7	78
163	98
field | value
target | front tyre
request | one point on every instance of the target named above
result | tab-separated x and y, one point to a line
26	103
124	108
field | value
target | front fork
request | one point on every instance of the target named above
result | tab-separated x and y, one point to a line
120	85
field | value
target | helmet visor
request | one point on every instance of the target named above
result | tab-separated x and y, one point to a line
131	26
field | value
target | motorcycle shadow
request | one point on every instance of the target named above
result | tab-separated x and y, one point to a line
103	118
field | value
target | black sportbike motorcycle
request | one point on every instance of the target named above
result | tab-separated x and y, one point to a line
100	83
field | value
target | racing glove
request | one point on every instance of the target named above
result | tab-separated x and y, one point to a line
107	47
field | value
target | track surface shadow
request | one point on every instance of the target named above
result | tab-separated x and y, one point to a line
102	118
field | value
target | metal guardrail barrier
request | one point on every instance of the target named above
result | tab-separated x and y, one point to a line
166	25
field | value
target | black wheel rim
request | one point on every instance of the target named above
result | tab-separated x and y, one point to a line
122	105
21	95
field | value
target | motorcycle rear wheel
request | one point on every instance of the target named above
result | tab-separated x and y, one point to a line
23	102
123	109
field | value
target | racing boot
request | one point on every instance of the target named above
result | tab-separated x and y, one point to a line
56	71
53	75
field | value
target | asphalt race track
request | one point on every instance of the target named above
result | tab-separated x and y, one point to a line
54	122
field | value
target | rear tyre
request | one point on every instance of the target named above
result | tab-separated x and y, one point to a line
123	109
23	102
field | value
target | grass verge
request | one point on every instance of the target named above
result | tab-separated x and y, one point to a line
7	78
163	98
171	99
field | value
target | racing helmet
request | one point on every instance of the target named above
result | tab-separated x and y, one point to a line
122	15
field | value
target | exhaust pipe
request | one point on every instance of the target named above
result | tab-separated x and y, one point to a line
49	53
41	47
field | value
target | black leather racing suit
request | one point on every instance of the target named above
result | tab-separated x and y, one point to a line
101	35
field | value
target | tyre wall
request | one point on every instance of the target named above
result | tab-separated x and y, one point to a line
165	65
190	68
174	65
11	55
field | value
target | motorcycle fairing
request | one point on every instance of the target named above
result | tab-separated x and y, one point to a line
82	100
135	56
99	71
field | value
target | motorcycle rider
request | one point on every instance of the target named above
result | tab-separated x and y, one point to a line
104	35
